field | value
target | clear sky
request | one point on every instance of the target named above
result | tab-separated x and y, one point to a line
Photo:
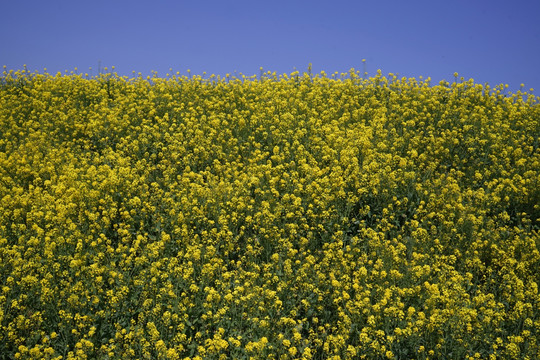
490	41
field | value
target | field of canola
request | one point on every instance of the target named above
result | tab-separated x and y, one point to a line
271	217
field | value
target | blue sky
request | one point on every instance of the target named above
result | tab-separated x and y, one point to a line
490	41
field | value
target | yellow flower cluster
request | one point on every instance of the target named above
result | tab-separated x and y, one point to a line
297	216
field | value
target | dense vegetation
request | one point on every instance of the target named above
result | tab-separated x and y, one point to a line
294	216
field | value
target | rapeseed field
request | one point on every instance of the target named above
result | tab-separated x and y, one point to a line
295	216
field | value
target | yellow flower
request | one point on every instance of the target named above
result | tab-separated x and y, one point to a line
290	207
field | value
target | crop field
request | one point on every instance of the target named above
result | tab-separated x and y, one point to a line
294	216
